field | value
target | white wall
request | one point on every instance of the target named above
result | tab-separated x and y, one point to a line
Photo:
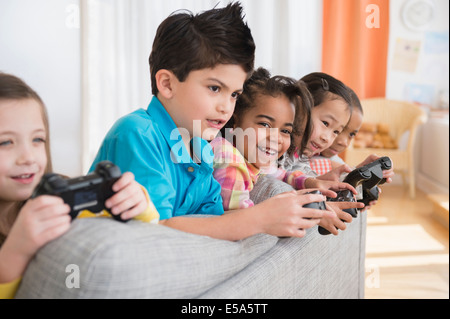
40	43
424	84
432	69
433	176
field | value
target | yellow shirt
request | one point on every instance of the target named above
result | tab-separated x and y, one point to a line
150	215
8	290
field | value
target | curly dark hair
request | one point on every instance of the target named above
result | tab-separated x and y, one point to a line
261	83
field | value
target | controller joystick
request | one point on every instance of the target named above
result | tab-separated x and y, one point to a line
85	192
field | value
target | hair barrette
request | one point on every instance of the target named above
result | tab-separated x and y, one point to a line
325	85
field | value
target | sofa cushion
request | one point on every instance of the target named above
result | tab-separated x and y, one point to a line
268	187
108	259
313	267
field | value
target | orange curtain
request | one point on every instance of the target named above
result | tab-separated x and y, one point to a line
355	44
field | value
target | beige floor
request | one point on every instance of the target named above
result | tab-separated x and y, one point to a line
407	248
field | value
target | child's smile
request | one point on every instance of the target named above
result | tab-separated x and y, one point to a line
263	134
24	178
315	147
267	154
268	151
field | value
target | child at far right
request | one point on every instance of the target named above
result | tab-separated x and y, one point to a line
329	159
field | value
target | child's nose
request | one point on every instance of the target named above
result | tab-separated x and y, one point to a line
25	156
326	136
280	138
272	135
343	141
226	107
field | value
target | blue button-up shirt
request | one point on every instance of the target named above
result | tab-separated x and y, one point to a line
148	144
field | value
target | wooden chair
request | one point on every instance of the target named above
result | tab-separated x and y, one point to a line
402	117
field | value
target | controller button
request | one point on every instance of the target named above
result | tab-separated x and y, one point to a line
57	182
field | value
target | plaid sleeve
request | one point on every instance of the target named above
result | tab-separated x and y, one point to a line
294	178
231	171
321	165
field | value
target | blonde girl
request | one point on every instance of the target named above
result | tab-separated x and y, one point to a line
27	225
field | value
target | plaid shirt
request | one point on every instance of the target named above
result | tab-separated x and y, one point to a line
320	165
236	176
294	178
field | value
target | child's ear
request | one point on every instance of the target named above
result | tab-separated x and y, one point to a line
235	120
164	82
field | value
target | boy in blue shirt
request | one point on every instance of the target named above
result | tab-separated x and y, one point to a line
198	67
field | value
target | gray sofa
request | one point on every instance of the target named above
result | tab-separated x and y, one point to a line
101	258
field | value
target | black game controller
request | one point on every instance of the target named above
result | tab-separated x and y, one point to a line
346	196
321	206
85	192
369	177
343	196
316	205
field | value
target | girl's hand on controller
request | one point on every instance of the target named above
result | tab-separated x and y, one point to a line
335	173
40	221
337	222
331	185
323	191
387	174
333	223
129	200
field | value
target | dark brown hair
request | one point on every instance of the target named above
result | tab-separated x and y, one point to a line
356	102
185	42
321	85
262	84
